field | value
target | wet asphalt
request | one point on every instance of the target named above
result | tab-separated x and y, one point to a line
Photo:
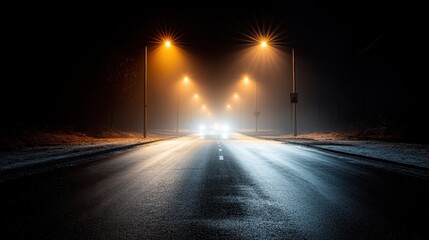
209	188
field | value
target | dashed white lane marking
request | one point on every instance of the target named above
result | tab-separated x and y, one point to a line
220	149
220	157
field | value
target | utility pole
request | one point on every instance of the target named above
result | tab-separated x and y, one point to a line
256	109
294	94
145	93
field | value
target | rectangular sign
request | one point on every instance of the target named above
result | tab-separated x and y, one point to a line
293	97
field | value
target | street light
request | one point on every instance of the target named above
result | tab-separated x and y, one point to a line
293	94
167	44
256	113
206	112
239	103
185	81
228	110
190	111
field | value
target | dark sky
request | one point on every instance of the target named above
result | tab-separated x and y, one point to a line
80	67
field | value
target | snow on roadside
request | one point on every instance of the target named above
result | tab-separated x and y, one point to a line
17	159
11	160
406	153
413	154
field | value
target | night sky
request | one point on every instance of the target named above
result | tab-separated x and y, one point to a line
81	67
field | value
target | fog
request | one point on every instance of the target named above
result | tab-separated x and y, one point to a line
87	73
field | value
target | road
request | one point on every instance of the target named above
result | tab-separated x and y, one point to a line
237	188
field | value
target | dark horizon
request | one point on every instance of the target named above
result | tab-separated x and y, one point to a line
83	69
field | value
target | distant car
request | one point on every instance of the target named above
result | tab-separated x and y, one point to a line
214	131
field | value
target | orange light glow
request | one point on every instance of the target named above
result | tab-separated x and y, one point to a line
166	36
196	96
166	63
264	44
246	79
186	80
236	95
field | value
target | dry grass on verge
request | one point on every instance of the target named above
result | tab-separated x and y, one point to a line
367	134
39	139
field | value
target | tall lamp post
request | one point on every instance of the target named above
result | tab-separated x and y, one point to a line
293	94
256	113
185	81
239	104
145	93
190	111
167	44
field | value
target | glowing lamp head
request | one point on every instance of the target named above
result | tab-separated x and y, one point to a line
246	79
167	43
263	44
186	80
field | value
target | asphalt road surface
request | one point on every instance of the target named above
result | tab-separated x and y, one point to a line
236	188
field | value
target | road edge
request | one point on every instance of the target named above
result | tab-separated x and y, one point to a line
404	165
41	167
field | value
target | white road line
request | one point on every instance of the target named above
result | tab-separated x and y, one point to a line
220	157
220	149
